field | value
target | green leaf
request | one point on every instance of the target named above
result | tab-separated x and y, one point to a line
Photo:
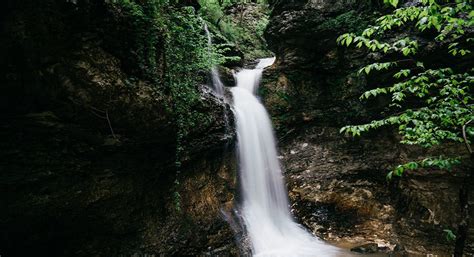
389	176
406	51
394	3
349	40
420	64
450	236
442	95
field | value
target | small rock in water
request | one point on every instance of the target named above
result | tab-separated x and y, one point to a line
366	248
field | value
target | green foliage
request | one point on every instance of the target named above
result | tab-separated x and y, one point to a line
394	3
188	55
184	51
443	96
440	162
146	24
186	58
227	3
245	31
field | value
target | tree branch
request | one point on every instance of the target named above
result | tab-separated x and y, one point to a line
468	146
110	124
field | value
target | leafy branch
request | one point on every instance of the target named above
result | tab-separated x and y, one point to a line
445	96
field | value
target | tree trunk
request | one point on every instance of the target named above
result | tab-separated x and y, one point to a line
463	227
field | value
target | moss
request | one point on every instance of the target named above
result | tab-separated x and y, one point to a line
243	26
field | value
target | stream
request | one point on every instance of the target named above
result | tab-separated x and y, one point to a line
265	206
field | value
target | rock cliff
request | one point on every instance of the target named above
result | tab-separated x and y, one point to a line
88	144
337	184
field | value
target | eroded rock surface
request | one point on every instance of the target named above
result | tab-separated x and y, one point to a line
338	184
87	149
339	191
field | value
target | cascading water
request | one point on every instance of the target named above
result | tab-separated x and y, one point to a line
217	84
265	207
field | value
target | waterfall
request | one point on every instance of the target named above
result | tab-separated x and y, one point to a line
217	84
265	206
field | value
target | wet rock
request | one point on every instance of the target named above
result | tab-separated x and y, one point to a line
399	251
366	248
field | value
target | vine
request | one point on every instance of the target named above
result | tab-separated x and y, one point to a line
187	63
161	26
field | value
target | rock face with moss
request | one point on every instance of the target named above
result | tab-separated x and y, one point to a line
303	36
88	140
338	183
91	140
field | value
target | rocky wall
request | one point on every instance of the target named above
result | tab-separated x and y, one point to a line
338	184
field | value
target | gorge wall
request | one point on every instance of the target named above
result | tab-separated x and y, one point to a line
88	144
337	183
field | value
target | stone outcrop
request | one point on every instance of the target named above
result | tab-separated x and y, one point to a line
87	147
339	191
337	183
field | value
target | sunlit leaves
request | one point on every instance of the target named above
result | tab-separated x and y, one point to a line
449	104
402	73
450	22
376	66
440	162
406	46
394	3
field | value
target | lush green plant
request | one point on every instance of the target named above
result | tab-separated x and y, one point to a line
247	34
146	23
445	102
187	55
226	3
432	103
187	60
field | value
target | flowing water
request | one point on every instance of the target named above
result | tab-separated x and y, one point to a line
217	84
265	207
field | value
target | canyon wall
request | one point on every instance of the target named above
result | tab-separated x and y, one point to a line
337	183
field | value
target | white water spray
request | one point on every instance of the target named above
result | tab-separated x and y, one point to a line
217	84
265	207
